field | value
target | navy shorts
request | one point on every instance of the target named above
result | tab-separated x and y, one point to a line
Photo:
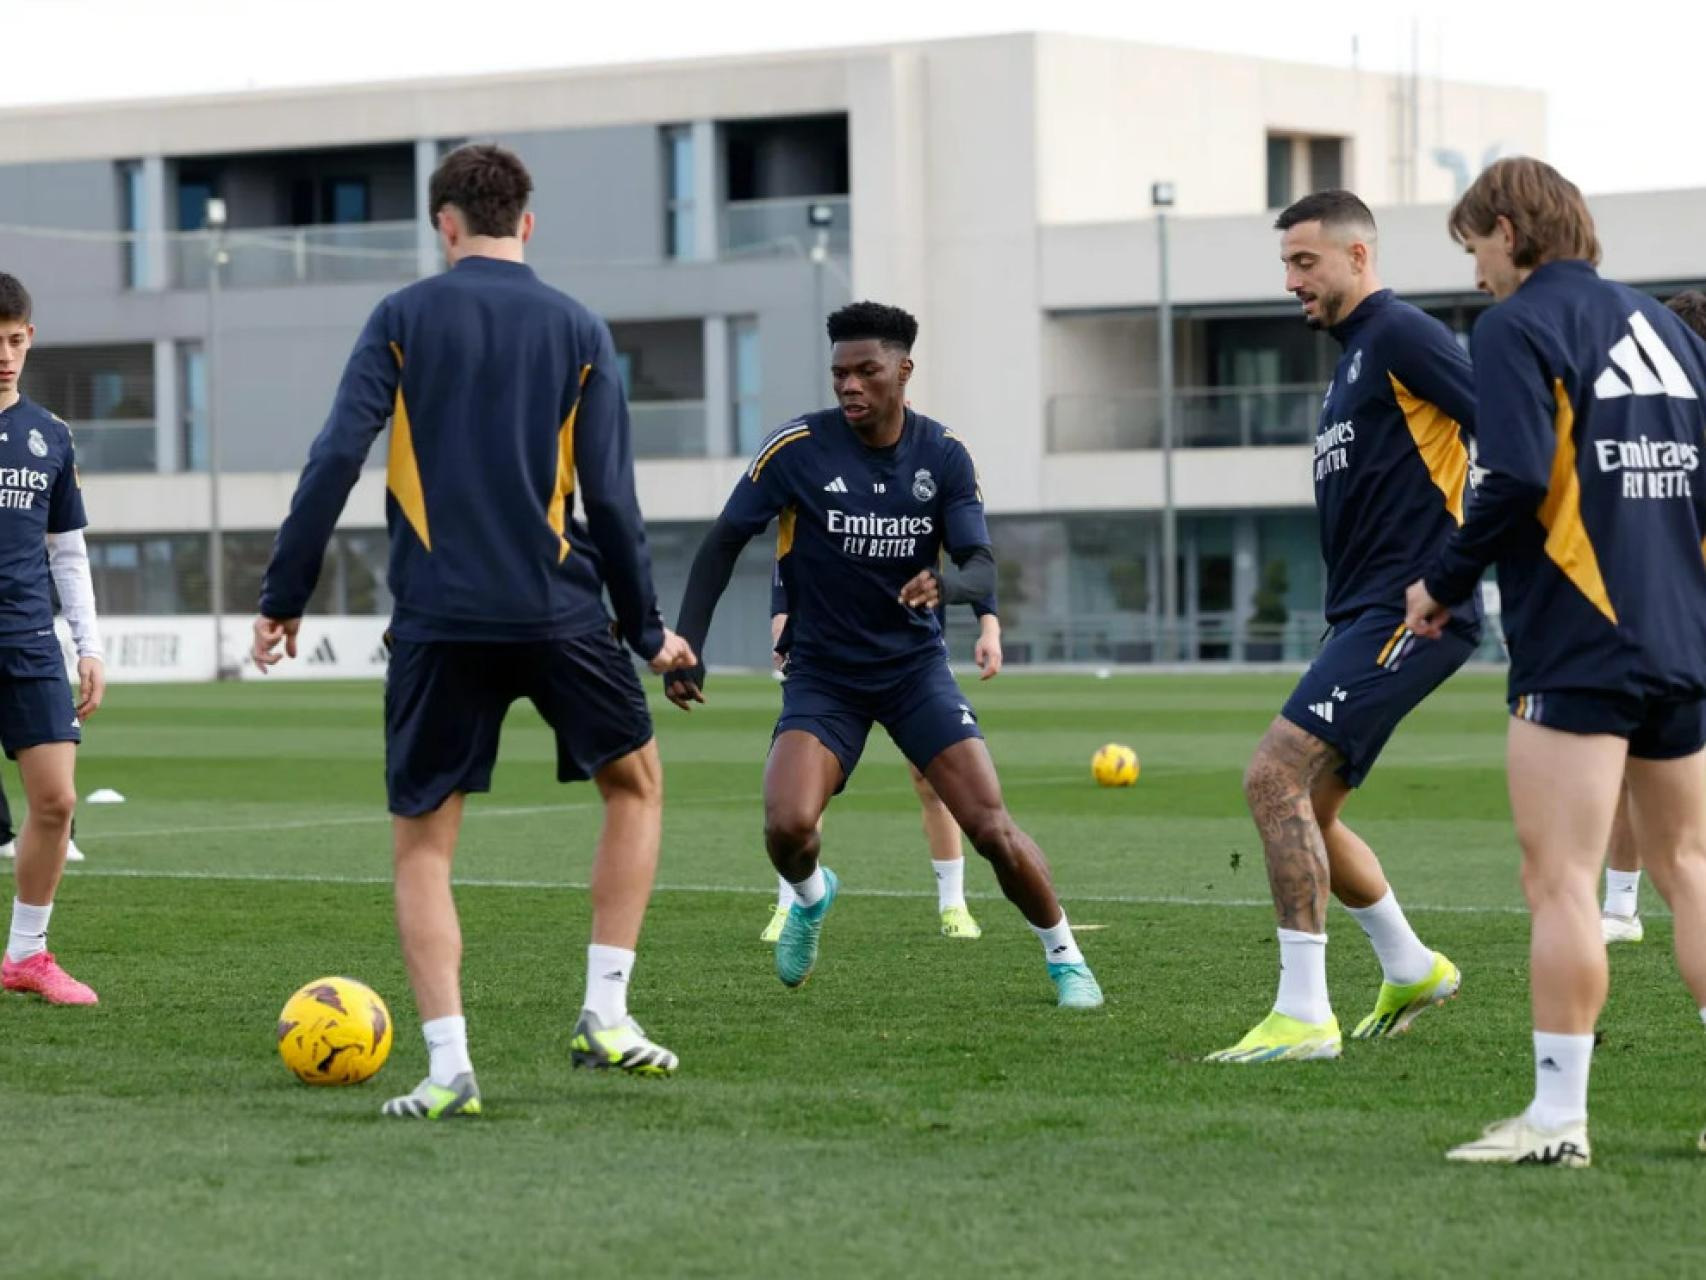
445	701
36	705
924	712
1657	728
1371	673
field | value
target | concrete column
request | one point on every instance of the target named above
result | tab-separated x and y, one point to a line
426	237
708	186
718	398
156	268
168	417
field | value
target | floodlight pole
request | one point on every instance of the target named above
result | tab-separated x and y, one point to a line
215	230
1161	196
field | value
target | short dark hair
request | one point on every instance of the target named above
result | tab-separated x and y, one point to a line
488	183
1690	306
14	299
1548	216
888	325
1334	208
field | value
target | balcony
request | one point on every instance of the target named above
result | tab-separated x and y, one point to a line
668	428
756	227
333	253
115	444
1204	418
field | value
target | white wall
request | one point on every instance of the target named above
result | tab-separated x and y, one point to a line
1114	117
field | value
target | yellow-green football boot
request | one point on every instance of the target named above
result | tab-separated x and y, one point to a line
1278	1038
1398	1006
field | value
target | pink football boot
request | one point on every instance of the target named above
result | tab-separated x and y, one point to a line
42	975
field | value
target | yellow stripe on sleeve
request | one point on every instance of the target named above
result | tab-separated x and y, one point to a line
1567	542
402	467
557	513
1440	442
776	446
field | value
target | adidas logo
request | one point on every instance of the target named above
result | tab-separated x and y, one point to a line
323	653
1658	375
616	975
1323	709
837	485
1549	1064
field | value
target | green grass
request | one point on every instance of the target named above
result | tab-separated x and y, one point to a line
919	1108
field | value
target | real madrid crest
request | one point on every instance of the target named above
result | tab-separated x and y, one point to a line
1356	368
923	485
38	446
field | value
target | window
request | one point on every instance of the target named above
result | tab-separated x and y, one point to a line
1279	172
133	218
679	178
1299	164
106	393
193	194
662	366
747	382
1326	163
346	200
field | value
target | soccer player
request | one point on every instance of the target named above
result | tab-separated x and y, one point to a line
1620	919
867	497
41	549
1391	469
941	832
1593	505
505	403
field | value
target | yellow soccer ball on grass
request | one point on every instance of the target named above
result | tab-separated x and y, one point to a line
334	1031
1114	766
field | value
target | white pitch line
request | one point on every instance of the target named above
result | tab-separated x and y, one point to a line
1117	899
469	815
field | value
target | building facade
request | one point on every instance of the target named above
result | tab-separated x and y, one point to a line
713	211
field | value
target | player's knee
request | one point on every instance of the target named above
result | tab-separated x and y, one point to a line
1548	880
788	828
636	778
1268	781
992	833
54	807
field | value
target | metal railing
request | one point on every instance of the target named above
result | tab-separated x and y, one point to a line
263	257
775	226
1207	418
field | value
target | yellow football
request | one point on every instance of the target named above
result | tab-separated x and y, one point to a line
1114	766
334	1031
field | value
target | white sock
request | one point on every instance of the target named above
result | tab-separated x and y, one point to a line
1703	1015
784	894
1059	946
1621	892
1303	977
447	1046
607	972
1403	958
950	883
29	930
1560	1079
810	891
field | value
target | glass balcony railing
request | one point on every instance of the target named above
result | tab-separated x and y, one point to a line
1204	418
785	226
114	444
263	257
668	428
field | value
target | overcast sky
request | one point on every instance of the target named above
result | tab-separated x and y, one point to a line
1623	82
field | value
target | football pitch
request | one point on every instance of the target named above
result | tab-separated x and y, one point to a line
918	1108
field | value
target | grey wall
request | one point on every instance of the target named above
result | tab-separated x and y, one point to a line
598	193
61	197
